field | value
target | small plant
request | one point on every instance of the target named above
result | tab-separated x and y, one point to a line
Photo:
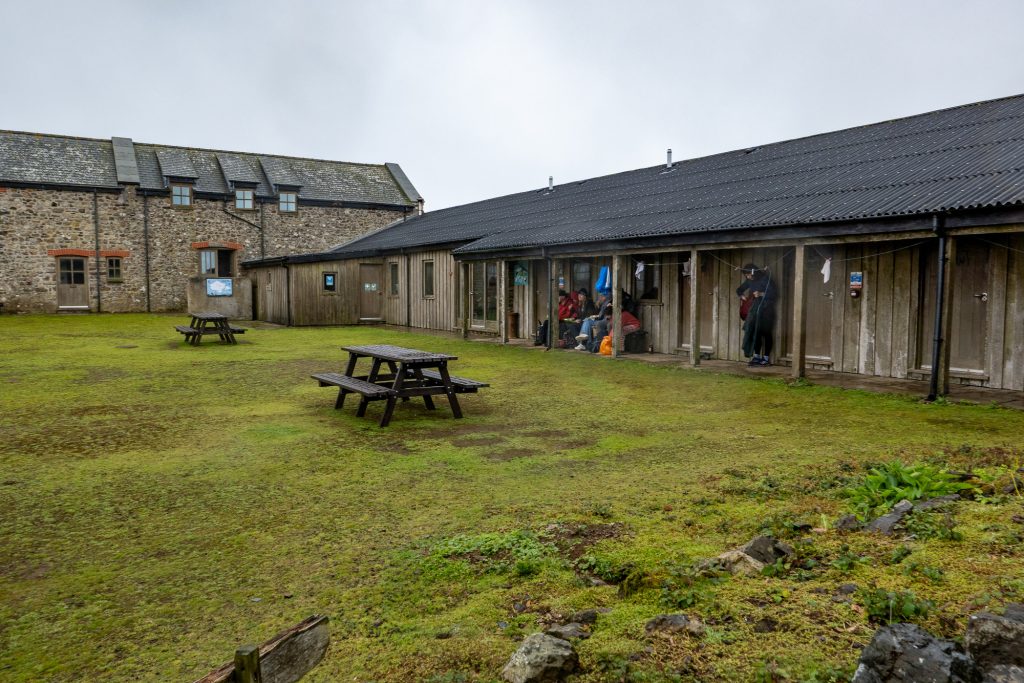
887	484
848	560
934	574
602	510
887	607
518	552
603	568
930	525
688	586
900	554
770	672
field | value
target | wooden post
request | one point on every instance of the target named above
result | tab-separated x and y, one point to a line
247	665
552	303
465	299
503	301
947	317
616	305
695	307
799	368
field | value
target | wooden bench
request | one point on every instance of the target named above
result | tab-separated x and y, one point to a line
462	385
354	385
192	332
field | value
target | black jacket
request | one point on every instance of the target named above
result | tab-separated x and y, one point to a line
764	305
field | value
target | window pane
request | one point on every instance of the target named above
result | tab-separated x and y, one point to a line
478	285
208	262
492	290
394	279
428	278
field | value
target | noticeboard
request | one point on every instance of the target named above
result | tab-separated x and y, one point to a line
219	286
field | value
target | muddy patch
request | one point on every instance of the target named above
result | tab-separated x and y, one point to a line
502	455
476	440
575	538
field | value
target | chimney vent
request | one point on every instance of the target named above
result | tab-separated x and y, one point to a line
551	183
668	159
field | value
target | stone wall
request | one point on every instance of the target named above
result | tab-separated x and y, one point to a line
34	223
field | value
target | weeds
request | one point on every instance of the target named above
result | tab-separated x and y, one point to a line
887	607
848	560
518	552
886	485
932	525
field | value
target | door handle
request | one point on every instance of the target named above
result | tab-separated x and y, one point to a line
983	296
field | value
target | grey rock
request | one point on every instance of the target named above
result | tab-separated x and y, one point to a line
675	623
848	523
941	501
1002	673
886	523
992	640
541	659
587	616
1014	611
738	562
848	588
766	549
905	653
567	631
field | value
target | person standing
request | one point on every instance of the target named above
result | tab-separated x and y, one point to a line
761	293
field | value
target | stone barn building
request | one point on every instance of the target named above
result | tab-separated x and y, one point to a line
115	226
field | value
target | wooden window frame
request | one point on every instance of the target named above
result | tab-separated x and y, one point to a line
294	202
431	281
216	251
333	291
251	199
190	194
115	272
394	283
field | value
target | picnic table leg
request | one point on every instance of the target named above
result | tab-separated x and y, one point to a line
429	402
371	378
389	409
449	390
349	369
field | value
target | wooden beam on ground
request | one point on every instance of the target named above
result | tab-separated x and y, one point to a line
695	307
799	368
285	658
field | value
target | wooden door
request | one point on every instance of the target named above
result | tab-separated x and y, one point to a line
371	291
707	303
968	338
483	286
818	311
72	284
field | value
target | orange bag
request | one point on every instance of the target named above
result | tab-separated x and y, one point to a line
606	346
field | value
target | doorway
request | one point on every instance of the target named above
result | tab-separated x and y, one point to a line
707	302
371	291
72	285
483	288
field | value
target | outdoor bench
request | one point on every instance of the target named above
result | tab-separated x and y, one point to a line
461	385
353	385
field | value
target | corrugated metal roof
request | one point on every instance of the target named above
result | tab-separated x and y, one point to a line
965	157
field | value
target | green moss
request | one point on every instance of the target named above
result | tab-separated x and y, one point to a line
162	504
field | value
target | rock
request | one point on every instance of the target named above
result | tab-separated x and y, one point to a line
587	616
766	549
738	562
675	623
848	523
992	639
941	501
886	523
1014	611
848	588
567	631
541	659
906	653
1002	673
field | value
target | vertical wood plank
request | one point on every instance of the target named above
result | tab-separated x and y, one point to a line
947	316
899	355
616	305
868	309
695	294
503	301
1013	377
839	304
997	290
465	299
799	353
884	310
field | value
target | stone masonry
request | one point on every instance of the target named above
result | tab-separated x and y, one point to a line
36	222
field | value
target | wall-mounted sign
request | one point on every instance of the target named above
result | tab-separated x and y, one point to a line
219	286
369	286
520	275
856	280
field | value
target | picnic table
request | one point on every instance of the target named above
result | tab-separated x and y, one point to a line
398	373
209	323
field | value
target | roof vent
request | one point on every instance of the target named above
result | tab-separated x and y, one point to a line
668	158
551	183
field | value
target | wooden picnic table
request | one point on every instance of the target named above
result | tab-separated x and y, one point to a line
398	373
209	323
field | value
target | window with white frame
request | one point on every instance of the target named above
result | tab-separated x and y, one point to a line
181	196
288	202
245	199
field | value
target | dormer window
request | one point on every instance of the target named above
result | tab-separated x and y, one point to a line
245	200
181	196
288	202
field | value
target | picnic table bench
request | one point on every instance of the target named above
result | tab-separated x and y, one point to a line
209	323
398	373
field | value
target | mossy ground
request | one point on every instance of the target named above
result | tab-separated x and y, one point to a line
162	504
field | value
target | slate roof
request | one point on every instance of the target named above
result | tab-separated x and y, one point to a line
971	156
32	158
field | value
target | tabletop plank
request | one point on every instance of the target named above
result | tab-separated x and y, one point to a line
397	354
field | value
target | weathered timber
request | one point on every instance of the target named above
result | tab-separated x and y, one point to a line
286	657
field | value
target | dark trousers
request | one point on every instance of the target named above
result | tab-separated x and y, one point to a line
757	336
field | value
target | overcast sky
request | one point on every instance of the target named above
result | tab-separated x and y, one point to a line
482	98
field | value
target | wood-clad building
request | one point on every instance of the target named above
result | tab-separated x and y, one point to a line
865	232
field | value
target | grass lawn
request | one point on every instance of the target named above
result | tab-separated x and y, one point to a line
162	504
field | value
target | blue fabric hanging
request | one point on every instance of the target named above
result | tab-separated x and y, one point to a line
604	282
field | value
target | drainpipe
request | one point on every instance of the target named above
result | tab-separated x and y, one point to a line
938	225
145	245
408	289
552	307
263	246
96	230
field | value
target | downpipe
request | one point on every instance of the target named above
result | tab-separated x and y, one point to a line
938	225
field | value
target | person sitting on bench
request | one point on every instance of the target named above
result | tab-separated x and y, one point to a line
603	326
